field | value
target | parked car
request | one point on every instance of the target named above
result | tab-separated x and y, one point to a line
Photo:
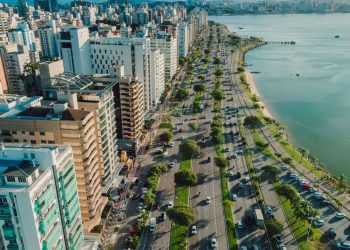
170	205
239	224
318	222
278	238
343	245
193	230
339	215
207	200
234	197
213	243
268	210
306	186
171	164
230	174
171	144
312	190
330	234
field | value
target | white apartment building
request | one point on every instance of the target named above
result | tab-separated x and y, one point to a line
133	53
157	85
167	44
183	39
74	49
47	42
39	198
4	22
14	58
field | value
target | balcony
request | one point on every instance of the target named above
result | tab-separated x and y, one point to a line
9	232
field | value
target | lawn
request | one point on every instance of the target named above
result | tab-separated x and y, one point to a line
165	125
300	229
178	233
259	142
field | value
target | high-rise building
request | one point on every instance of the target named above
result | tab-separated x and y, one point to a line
75	50
47	5
39	198
98	98
4	22
167	44
133	53
47	42
4	89
23	120
157	76
183	39
23	35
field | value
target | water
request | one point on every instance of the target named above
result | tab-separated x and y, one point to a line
315	106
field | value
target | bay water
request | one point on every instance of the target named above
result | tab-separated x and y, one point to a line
305	86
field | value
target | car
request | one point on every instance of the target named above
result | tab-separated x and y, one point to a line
330	234
213	243
182	138
238	175
278	238
282	247
226	150
284	167
317	196
240	184
171	164
244	248
312	190
247	179
171	144
302	182
193	230
165	153
306	186
170	205
234	197
144	190
230	174
326	202
239	224
339	215
163	216
343	245
318	223
268	210
255	247
207	200
135	196
234	156
240	152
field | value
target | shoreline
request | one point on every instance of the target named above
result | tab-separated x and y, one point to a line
250	80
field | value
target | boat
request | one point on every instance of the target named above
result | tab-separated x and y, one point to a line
337	36
240	28
292	42
297	75
255	72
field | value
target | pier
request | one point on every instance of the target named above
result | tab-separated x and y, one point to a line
281	43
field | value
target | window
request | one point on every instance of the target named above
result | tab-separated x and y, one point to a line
42	133
25	155
23	132
32	155
15	140
11	179
51	142
14	132
31	133
32	141
43	141
22	179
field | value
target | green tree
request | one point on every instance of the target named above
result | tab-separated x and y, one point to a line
181	214
219	72
218	94
30	72
221	162
253	122
199	87
273	226
149	198
217	60
182	61
185	178
181	94
157	169
289	192
287	160
167	136
189	149
273	171
342	183
304	153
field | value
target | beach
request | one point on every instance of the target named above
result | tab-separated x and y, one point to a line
250	80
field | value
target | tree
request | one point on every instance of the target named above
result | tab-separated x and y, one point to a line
287	160
274	226
218	94
342	183
167	136
30	70
185	178
157	169
199	87
189	149
182	61
289	192
219	72
221	162
217	60
149	198
273	171
304	153
181	94
181	214
253	122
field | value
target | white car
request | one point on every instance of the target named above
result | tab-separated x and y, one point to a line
193	230
240	184
244	248
207	200
339	215
343	245
165	153
284	167
213	243
171	144
171	165
239	224
170	205
234	197
319	223
182	138
230	174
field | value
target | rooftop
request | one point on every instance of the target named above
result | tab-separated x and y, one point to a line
23	168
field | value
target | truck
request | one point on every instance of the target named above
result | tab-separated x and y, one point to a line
153	224
259	218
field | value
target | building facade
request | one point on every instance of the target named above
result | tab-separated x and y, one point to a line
157	77
39	198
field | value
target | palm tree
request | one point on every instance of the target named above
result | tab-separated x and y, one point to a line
342	183
30	70
304	153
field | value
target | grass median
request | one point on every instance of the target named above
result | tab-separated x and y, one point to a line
179	233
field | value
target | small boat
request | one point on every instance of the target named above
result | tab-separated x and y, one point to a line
337	36
292	42
297	74
255	72
240	28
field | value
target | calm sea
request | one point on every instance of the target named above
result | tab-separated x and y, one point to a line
315	106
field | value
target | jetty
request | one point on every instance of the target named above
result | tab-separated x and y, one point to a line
281	43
